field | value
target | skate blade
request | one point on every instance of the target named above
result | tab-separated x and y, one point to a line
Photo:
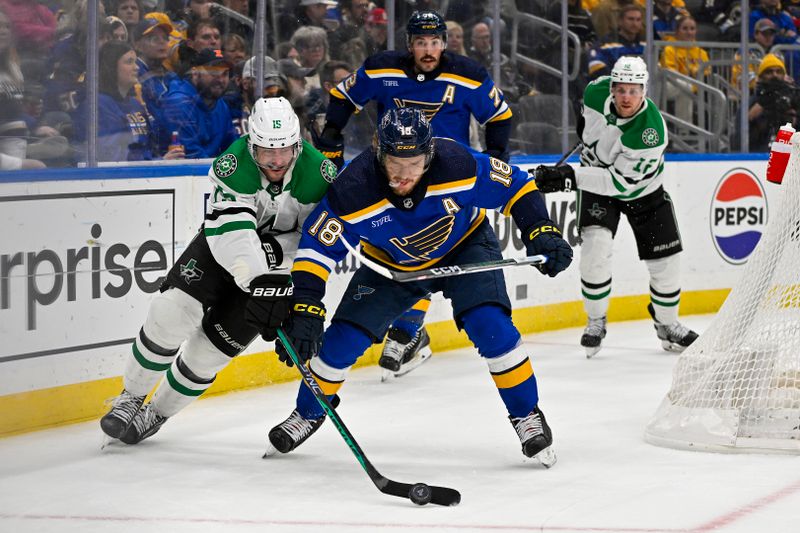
107	441
591	351
385	375
546	457
270	451
424	355
672	347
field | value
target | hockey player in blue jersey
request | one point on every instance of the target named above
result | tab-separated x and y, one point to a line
415	202
449	88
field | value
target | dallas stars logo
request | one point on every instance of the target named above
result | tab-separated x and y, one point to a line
650	137
225	165
190	272
328	170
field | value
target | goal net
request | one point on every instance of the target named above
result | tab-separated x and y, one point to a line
737	388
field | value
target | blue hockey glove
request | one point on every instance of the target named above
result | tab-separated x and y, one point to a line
554	179
545	239
331	143
269	303
304	328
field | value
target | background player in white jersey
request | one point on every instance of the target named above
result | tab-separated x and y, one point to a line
624	137
450	89
231	283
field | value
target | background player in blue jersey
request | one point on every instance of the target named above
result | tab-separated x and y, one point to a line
450	89
415	202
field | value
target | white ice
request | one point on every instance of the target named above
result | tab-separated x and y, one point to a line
442	424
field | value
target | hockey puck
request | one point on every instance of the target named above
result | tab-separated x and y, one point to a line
420	494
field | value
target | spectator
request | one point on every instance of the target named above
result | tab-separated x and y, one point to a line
150	39
605	16
665	19
579	21
230	26
112	29
306	13
234	48
775	102
286	50
176	35
129	11
764	33
722	14
481	51
34	25
198	9
13	129
686	59
627	42
241	100
201	34
312	50
67	62
297	77
193	107
375	32
786	31
124	125
331	73
455	38
354	17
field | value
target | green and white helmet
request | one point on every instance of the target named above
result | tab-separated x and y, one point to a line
630	69
273	124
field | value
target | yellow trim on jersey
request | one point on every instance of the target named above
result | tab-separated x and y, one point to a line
514	376
461	80
453	186
384	72
380	256
361	213
502	116
312	268
328	387
528	187
336	93
422	305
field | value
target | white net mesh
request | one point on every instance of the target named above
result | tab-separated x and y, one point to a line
737	388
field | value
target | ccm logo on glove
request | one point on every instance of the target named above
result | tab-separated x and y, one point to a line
309	309
535	232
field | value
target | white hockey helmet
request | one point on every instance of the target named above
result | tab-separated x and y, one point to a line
630	69
274	124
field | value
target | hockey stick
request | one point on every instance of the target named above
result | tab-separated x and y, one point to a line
443	271
419	493
569	154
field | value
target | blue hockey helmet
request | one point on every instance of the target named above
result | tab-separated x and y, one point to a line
405	132
426	23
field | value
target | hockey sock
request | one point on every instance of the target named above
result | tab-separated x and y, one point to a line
595	297
146	365
342	344
190	375
412	320
665	288
513	375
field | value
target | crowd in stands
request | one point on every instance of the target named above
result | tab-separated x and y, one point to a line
176	78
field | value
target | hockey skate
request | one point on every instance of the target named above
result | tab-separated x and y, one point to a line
402	354
593	336
674	337
292	432
536	437
123	409
145	424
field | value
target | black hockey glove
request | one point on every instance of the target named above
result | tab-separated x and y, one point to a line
331	143
272	249
554	179
545	239
269	303
304	328
497	154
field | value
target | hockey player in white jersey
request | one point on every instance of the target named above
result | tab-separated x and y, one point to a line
232	282
624	138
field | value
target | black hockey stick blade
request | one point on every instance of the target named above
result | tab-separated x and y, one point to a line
437	495
458	270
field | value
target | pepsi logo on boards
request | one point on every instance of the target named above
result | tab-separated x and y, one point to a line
738	215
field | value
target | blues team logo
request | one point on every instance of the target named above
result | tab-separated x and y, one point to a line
738	215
